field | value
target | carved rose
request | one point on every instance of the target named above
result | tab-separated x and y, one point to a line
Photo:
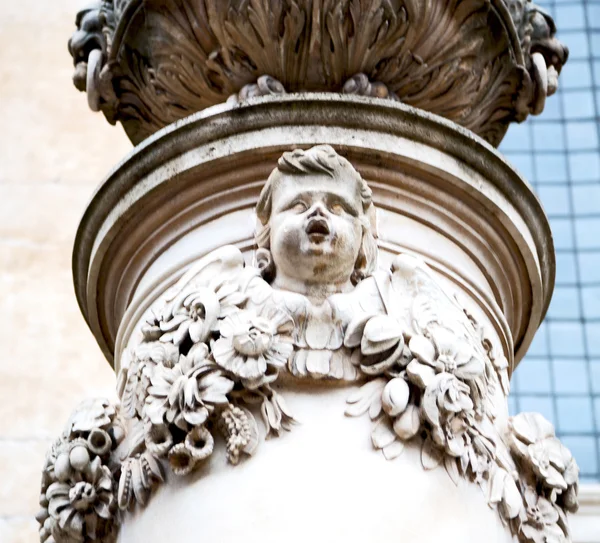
254	347
446	352
533	441
542	524
187	393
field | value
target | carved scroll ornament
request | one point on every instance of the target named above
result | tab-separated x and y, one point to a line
479	63
315	306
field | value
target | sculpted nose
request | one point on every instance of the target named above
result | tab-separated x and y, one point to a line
318	209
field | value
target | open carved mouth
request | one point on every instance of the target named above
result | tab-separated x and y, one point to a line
318	228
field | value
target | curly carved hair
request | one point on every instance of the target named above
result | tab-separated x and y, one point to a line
321	159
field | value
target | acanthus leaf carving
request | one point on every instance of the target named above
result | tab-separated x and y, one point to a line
480	64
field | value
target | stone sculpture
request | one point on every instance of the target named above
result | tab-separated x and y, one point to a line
441	56
315	306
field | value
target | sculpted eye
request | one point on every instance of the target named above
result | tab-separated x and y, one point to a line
299	207
337	209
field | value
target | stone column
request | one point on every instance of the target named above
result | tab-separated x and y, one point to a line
333	273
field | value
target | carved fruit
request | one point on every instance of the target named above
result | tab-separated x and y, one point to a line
79	457
99	442
181	460
62	467
408	423
199	442
395	397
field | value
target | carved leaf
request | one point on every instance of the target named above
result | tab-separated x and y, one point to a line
360	401
393	450
431	456
383	435
451	465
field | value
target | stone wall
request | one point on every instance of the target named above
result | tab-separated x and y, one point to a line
53	153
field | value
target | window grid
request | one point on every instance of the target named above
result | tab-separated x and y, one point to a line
559	153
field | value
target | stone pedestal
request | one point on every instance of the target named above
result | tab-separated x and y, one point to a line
335	284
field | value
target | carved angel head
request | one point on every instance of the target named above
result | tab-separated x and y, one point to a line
315	221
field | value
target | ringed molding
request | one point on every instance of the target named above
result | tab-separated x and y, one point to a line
156	211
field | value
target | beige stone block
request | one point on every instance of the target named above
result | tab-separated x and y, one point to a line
48	132
18	530
42	213
51	360
21	463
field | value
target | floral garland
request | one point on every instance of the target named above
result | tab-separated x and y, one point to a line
434	387
78	497
210	352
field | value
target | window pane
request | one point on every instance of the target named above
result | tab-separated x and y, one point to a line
589	267
582	135
548	136
533	376
592	335
587	233
562	231
575	414
586	199
566	339
539	404
565	268
577	42
595	375
517	138
578	104
570	376
539	345
523	163
565	304
584	451
591	302
551	168
584	166
576	75
555	199
570	17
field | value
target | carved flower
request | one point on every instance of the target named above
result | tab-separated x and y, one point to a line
194	313
542	524
253	347
446	352
446	404
78	507
188	392
533	441
135	379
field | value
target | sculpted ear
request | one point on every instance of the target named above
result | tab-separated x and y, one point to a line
367	257
265	203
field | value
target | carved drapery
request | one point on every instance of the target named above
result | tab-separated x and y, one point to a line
442	56
214	346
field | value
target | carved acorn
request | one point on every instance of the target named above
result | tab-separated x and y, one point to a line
395	397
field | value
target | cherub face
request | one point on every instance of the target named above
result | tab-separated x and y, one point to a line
316	230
